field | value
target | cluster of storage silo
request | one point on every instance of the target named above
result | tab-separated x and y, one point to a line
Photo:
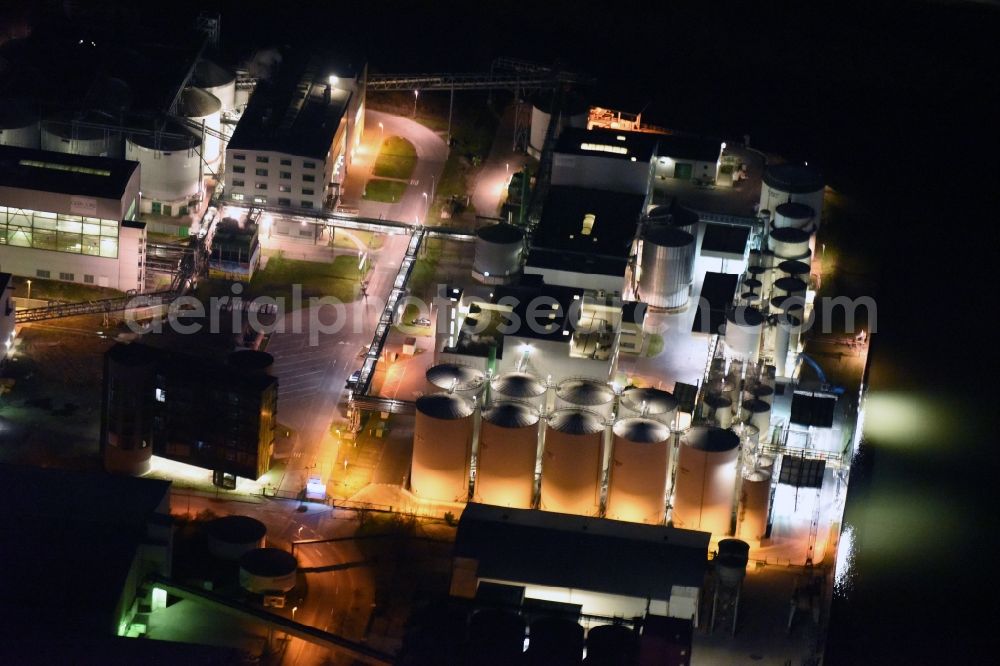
666	256
203	108
169	156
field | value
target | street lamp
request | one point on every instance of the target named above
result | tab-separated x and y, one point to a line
416	94
29	290
294	608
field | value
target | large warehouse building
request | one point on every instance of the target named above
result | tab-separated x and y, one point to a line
71	218
292	147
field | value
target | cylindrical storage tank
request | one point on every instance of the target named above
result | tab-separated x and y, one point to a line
706	479
759	391
755	494
130	372
498	252
575	113
508	447
554	641
170	166
792	182
793	214
650	402
666	266
743	329
638	484
731	562
230	537
674	215
794	268
758	413
519	386
790	286
749	435
461	379
571	463
611	645
789	243
251	362
264	570
442	447
218	81
110	95
786	340
18	124
587	393
203	107
496	638
63	133
718	409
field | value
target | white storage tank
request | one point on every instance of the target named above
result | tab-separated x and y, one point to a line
794	214
743	330
587	393
638	474
230	537
131	368
650	402
575	113
571	462
786	340
461	379
218	81
792	182
498	252
789	243
508	448
755	495
790	286
666	266
442	447
66	133
170	167
265	570
706	479
794	268
203	107
758	413
519	386
718	408
759	391
18	124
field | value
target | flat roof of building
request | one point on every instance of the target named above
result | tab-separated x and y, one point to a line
688	147
726	241
533	310
567	239
717	292
562	550
292	114
599	142
46	171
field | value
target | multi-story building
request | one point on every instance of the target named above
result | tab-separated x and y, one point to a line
292	147
72	218
218	416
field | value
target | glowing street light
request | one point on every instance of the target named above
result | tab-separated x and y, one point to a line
29	290
416	94
381	132
294	608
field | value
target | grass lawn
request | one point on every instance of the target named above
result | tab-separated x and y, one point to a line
396	159
386	191
57	290
339	278
345	238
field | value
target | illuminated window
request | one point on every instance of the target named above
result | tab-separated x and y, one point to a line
53	166
161	395
620	137
604	148
237	196
588	224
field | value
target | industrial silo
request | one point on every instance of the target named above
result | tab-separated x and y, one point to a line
790	286
497	253
759	391
706	479
794	268
230	537
508	448
758	413
611	645
650	402
461	379
218	81
519	386
442	447
674	215
575	113
755	494
204	109
789	243
89	133
170	167
794	214
129	381
586	393
792	182
786	340
571	462
666	266
638	472
18	124
743	329
718	408
265	570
